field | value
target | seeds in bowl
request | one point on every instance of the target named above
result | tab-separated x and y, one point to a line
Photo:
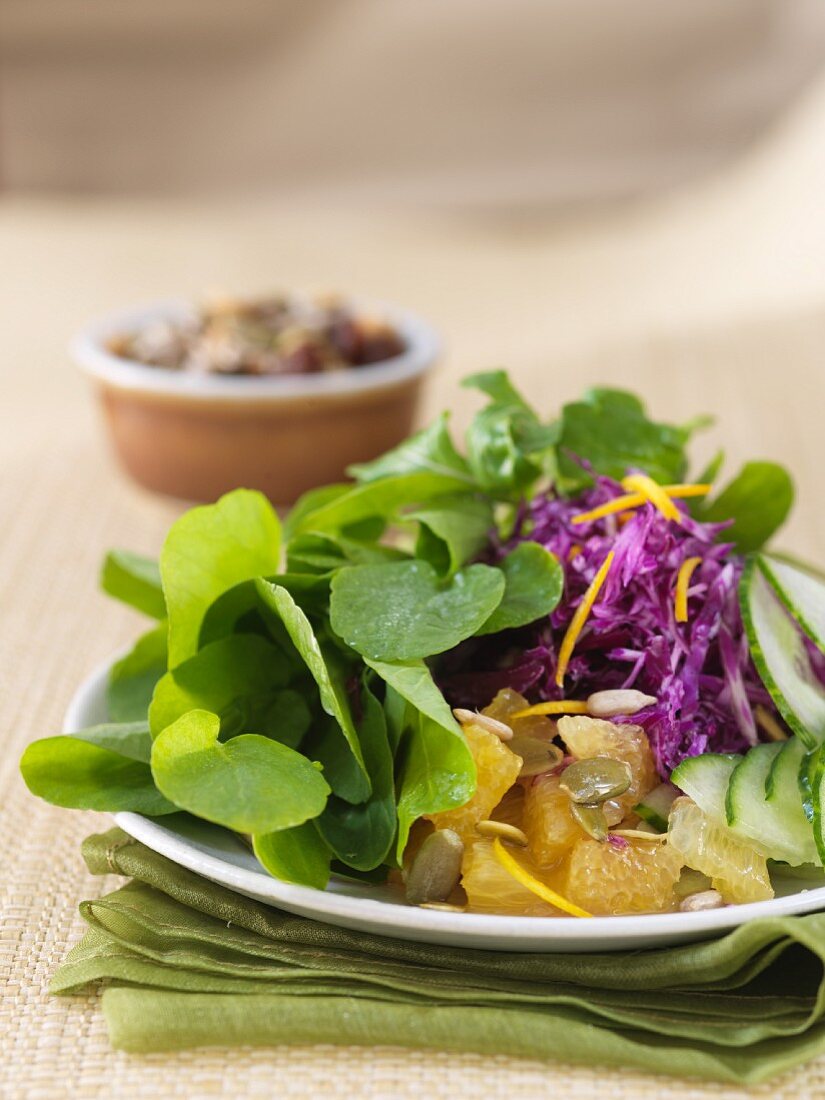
274	335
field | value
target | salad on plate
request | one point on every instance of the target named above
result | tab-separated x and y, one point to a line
546	674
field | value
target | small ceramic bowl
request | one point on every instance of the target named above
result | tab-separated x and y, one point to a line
197	436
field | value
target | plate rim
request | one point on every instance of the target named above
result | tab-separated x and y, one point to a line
401	920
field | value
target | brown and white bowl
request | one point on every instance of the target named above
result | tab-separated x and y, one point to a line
196	436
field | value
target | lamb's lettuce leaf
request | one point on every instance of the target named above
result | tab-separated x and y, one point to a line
330	676
534	581
298	855
78	773
239	678
758	501
431	449
209	550
134	580
404	610
508	447
435	769
250	783
361	835
610	431
132	679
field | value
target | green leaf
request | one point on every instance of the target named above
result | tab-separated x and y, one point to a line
435	769
758	500
135	580
209	550
130	739
610	430
323	554
239	678
403	610
132	679
362	835
534	581
461	524
435	773
328	674
296	855
430	449
508	447
74	772
251	783
382	498
311	501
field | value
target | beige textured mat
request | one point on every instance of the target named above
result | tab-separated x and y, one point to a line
61	505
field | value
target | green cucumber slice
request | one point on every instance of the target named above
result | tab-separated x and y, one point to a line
655	806
817	774
779	653
802	593
777	826
705	779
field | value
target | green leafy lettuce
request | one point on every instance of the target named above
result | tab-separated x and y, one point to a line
286	687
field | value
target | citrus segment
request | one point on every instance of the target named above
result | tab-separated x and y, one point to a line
739	873
497	769
632	877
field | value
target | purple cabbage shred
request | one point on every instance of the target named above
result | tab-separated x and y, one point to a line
700	671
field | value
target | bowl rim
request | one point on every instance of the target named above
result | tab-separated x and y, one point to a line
87	350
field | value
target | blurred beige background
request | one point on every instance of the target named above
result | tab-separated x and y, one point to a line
584	192
466	102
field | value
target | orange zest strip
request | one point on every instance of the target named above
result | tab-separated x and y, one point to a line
514	868
557	706
618	504
652	491
580	618
635	500
686	571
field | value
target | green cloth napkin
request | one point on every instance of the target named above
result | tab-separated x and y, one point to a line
188	963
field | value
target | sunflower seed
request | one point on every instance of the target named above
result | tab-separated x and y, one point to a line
608	704
705	899
492	725
596	779
503	830
639	834
436	869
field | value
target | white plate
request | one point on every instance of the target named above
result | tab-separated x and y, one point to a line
216	854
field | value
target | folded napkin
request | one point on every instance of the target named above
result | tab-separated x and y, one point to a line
188	963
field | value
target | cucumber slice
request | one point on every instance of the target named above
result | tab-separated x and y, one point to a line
817	774
802	593
780	657
655	806
705	779
777	826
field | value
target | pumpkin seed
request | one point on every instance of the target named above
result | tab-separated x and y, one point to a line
705	899
442	907
608	704
436	869
537	756
591	819
503	830
492	725
596	779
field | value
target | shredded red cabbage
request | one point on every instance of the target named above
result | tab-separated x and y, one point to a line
700	671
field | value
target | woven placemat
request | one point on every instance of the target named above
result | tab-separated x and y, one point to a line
62	504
